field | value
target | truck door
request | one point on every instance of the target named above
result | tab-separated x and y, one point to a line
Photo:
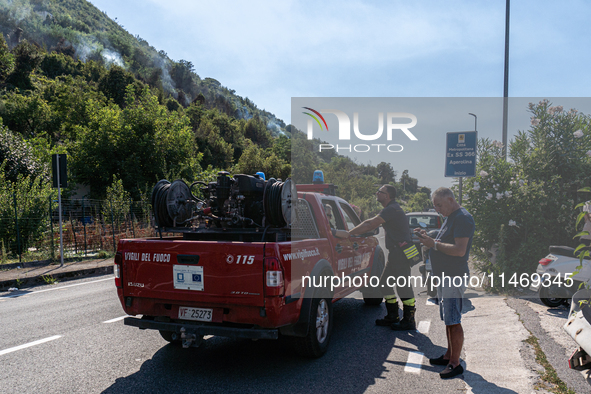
362	246
344	249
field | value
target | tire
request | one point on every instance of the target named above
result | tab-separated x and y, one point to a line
431	291
371	295
545	294
372	301
167	335
315	343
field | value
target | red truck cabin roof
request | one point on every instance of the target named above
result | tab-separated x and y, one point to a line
325	188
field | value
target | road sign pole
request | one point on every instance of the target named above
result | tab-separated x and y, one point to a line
59	209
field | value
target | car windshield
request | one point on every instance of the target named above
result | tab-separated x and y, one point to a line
430	220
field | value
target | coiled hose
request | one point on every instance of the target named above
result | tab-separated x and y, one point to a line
159	195
272	203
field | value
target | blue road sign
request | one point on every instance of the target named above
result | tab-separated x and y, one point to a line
460	154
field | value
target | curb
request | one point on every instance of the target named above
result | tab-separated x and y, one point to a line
27	264
68	275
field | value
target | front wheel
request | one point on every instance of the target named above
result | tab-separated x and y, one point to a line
369	301
315	343
548	297
431	290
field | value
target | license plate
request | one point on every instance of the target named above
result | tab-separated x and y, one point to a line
197	314
188	277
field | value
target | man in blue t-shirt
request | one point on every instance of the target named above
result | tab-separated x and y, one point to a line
449	259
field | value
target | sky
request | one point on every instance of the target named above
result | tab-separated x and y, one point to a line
273	51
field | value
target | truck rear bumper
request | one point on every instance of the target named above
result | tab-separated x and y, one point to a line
204	329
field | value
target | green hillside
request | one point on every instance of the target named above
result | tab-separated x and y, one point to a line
78	29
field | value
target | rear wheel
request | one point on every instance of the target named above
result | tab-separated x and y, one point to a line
548	296
315	343
168	337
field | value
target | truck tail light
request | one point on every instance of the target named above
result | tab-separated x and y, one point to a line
545	261
274	284
117	268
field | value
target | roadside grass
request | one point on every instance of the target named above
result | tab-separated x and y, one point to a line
50	280
549	377
68	256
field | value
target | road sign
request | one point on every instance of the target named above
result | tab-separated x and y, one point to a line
460	154
59	170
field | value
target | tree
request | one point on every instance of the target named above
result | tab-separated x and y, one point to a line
32	196
257	132
354	185
386	173
251	161
195	112
281	147
255	159
68	98
524	205
27	115
418	202
114	84
27	58
304	159
182	74
409	185
17	157
138	144
118	201
55	64
6	59
216	151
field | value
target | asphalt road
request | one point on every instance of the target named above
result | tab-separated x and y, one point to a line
70	337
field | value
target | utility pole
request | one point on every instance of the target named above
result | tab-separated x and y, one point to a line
506	81
60	178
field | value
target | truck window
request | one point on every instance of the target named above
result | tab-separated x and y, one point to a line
350	216
333	214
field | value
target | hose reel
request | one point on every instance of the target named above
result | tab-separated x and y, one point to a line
278	202
172	203
244	201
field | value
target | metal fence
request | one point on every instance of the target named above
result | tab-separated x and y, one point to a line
88	227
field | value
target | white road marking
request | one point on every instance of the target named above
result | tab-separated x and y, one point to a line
56	288
116	319
414	362
26	345
430	302
423	326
